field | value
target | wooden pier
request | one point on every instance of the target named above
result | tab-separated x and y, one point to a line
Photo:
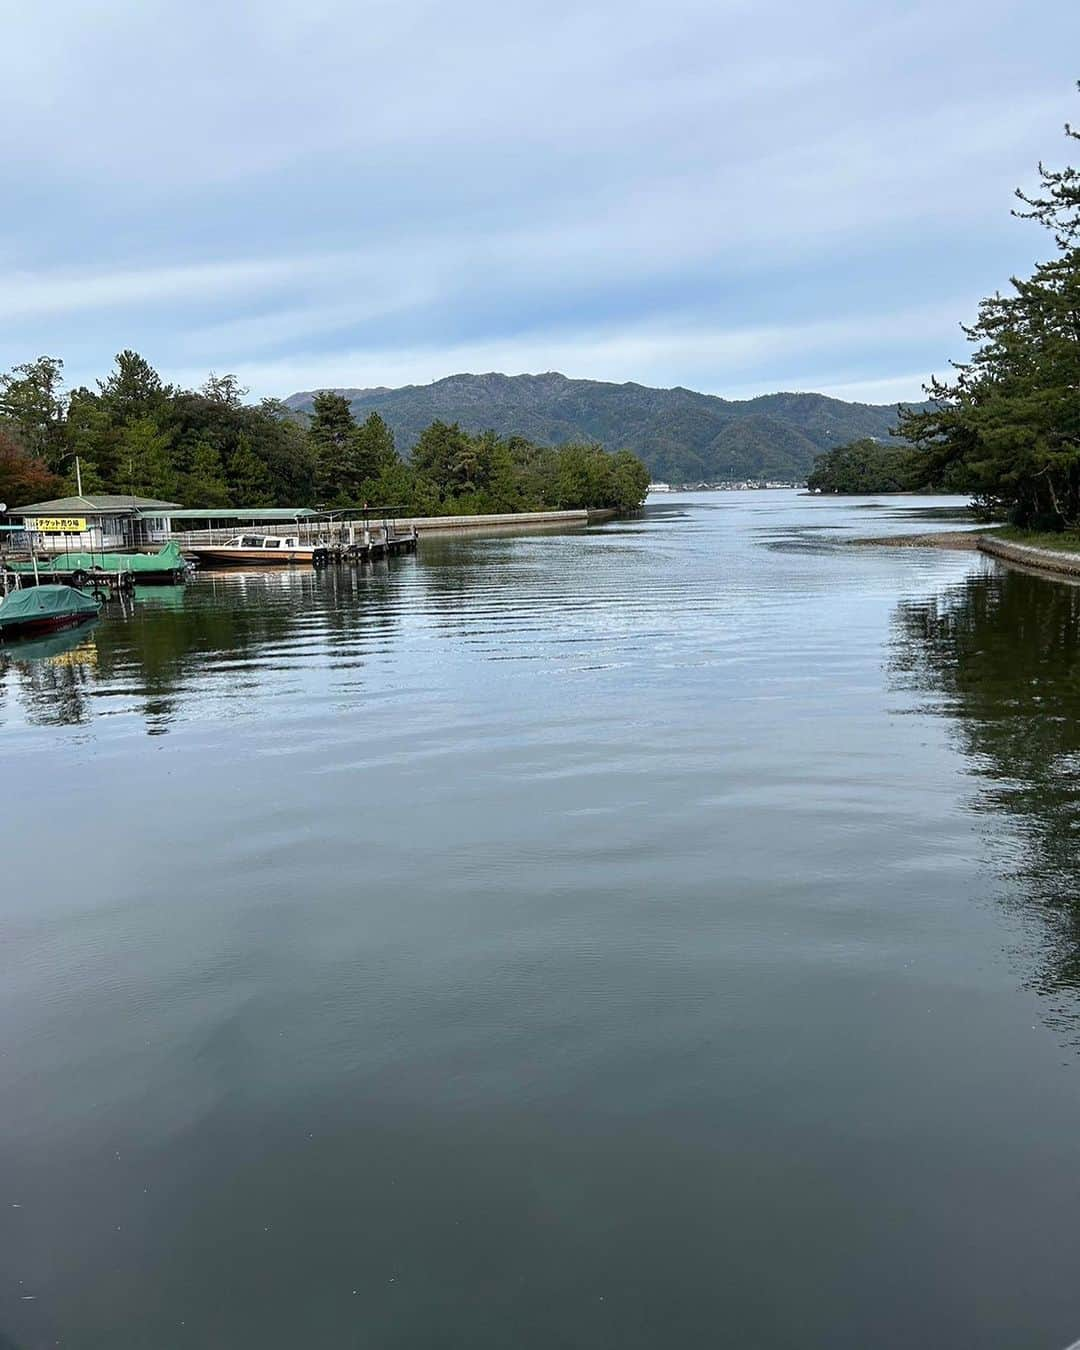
353	542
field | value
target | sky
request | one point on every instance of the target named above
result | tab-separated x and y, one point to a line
737	196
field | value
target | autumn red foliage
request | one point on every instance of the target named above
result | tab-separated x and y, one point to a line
23	478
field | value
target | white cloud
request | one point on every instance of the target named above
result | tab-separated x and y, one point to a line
710	359
888	389
679	194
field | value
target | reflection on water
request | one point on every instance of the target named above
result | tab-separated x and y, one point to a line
210	640
569	940
1000	654
51	675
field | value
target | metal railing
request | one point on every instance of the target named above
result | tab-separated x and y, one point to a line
316	534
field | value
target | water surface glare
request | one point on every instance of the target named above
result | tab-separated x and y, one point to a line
664	934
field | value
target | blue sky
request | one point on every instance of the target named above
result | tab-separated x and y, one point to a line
737	196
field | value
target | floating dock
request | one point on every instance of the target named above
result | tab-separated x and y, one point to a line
351	543
109	570
320	543
98	582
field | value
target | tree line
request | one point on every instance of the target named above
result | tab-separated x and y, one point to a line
867	466
136	434
1008	420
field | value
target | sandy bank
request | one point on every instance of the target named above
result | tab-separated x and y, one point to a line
965	540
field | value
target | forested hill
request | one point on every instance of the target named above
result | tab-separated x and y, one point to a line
682	436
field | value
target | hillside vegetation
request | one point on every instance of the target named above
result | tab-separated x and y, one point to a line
682	436
207	447
869	466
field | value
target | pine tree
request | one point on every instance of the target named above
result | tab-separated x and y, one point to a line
373	451
134	389
1010	417
205	484
145	466
332	434
445	457
249	479
92	435
224	389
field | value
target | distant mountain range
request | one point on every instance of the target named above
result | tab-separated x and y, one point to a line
681	435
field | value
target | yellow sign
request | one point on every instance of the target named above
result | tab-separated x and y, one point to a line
61	524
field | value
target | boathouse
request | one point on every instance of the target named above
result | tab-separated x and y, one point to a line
96	523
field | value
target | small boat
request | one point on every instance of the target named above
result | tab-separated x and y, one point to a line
44	609
254	549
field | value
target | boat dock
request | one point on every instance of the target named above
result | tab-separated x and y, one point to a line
95	581
333	541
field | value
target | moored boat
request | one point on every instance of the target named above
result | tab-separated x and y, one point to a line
166	565
254	549
44	609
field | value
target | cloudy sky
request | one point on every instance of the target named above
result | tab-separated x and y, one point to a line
734	195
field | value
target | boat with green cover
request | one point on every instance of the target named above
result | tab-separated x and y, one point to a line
167	564
44	609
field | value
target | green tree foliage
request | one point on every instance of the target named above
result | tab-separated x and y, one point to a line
93	435
585	475
446	457
332	433
32	404
629	481
1009	419
867	466
249	478
133	389
683	436
373	449
224	389
205	484
144	459
136	434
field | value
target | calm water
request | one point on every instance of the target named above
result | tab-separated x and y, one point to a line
665	935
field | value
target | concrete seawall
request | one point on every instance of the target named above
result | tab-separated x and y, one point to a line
1045	559
443	524
326	531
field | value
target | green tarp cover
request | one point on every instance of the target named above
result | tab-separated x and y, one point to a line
167	559
44	602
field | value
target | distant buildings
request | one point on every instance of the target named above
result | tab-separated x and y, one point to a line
730	485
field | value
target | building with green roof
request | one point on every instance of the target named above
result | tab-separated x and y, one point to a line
96	522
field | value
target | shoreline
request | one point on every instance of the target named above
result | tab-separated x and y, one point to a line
966	541
507	522
1056	562
450	524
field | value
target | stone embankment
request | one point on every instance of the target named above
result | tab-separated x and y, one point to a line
1023	555
433	524
1045	559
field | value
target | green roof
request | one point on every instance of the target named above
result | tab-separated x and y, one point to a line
239	513
96	505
